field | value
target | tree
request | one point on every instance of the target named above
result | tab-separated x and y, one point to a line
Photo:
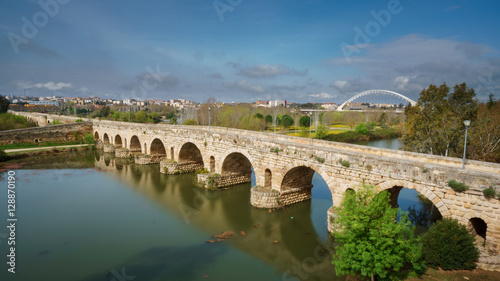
172	120
361	129
370	242
449	245
286	121
484	139
305	121
435	124
321	131
4	104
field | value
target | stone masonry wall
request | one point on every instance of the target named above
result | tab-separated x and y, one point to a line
170	168
55	133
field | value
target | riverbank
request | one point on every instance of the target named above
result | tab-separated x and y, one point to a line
354	137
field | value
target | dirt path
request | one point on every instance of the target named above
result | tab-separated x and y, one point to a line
44	147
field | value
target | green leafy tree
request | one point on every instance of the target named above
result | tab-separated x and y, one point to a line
321	131
370	242
304	121
361	129
141	117
173	120
105	110
269	119
449	245
4	104
484	134
286	121
435	124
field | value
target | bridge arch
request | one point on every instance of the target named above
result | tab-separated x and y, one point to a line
105	138
301	173
190	152
369	92
118	141
236	157
438	203
157	148
135	144
96	136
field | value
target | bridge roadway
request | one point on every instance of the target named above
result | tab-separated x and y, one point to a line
284	167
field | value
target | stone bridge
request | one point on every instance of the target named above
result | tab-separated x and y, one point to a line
284	167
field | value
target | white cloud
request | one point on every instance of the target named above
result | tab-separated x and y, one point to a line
49	85
413	62
323	95
267	70
245	86
339	84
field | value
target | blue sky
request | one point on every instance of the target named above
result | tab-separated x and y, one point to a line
242	50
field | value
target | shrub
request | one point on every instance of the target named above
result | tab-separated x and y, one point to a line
78	120
458	186
320	159
275	149
489	192
190	122
345	163
56	122
361	129
202	171
3	156
89	138
449	245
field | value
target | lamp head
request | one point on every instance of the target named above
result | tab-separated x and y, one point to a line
467	122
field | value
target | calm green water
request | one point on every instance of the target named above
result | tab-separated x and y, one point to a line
104	220
87	216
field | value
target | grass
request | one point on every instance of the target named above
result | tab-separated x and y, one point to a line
31	145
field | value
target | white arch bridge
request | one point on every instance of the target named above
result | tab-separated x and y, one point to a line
372	92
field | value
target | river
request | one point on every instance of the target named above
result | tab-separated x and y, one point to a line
88	216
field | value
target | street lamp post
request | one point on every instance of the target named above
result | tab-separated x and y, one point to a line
209	117
310	132
466	123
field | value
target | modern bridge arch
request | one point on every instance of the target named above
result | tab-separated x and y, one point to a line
301	173
369	92
189	152
135	144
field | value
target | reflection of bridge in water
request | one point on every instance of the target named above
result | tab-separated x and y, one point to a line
299	251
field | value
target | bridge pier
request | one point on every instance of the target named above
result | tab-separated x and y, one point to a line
215	181
109	148
268	198
122	153
170	167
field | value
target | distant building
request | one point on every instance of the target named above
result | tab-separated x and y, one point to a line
45	103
